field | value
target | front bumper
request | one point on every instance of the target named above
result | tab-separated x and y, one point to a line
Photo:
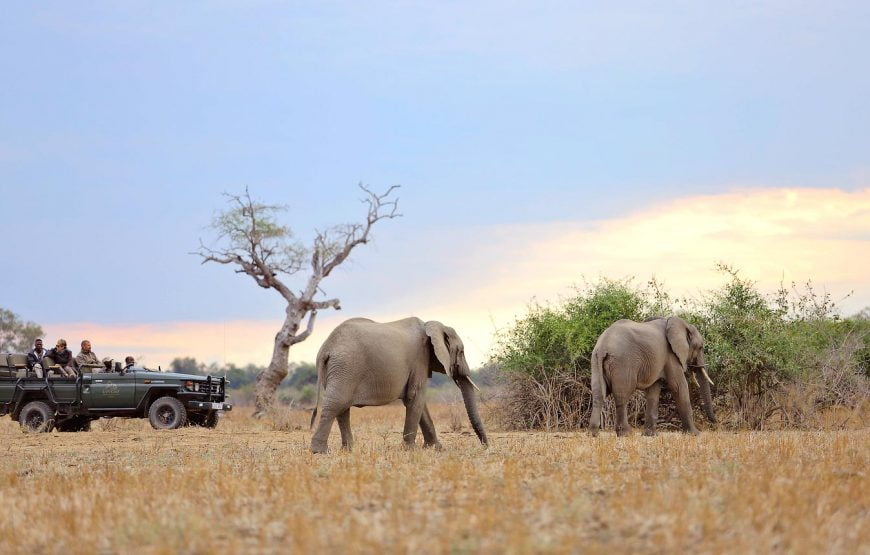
206	405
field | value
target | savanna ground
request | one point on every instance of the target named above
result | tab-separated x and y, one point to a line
252	486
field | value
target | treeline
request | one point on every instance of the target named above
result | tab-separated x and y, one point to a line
299	388
776	360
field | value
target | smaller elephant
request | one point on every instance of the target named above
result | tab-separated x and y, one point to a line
366	363
641	355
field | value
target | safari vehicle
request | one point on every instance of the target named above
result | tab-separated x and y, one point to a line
69	404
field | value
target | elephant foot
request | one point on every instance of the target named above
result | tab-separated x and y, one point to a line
649	433
318	449
436	446
593	432
693	431
347	448
623	432
409	446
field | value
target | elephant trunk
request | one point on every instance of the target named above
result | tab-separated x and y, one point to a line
706	397
470	400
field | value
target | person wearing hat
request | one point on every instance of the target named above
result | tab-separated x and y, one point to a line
63	357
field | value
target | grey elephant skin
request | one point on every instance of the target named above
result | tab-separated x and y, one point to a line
641	355
366	363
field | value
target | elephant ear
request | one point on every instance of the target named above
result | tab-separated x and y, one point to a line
435	331
678	338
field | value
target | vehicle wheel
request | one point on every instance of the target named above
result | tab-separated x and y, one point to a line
77	424
36	416
167	413
207	420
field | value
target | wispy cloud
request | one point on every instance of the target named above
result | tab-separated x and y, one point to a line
770	234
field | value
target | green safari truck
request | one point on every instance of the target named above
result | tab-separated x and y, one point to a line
69	404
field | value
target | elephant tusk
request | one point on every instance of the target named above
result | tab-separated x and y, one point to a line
704	371
472	383
695	379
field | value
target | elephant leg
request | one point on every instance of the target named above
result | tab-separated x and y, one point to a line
330	412
652	408
427	426
414	407
621	394
623	428
680	388
344	427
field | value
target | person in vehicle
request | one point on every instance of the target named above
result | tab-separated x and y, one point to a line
34	358
63	357
129	362
86	355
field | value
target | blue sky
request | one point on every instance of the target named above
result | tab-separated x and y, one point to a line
121	123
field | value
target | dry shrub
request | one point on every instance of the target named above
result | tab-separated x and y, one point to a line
560	401
837	382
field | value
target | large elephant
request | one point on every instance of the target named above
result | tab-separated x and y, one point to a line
366	363
641	355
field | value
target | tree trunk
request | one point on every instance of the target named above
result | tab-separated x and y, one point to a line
271	377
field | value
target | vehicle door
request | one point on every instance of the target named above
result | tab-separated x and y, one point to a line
109	390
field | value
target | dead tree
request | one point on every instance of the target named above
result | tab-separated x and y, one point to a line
250	238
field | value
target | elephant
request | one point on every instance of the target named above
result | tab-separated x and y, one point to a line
641	355
367	363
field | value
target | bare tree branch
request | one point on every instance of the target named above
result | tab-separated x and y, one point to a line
299	338
334	247
250	238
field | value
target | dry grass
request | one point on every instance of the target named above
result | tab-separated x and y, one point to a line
252	486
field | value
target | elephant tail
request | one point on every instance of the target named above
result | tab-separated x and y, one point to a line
599	390
321	368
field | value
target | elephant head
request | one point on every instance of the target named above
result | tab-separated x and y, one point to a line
688	345
449	352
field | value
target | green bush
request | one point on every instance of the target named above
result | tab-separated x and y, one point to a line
787	354
561	338
546	354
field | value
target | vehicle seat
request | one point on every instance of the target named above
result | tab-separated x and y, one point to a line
16	360
91	368
5	370
50	366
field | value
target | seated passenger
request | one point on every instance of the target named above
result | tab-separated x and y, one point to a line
87	357
129	362
34	358
63	357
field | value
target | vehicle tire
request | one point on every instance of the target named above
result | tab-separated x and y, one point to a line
167	413
77	424
36	416
207	420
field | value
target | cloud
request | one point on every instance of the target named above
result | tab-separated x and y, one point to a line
487	275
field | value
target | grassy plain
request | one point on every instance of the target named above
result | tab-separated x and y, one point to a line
252	486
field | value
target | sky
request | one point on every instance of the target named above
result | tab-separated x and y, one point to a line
538	146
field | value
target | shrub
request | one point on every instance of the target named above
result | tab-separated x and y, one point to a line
547	353
786	355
